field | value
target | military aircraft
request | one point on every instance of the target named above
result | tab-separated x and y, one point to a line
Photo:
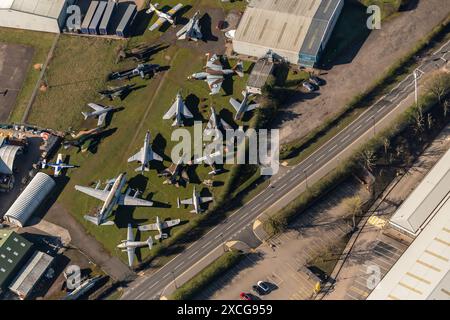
117	92
141	70
99	112
83	288
145	155
195	201
191	31
179	110
58	166
211	160
160	226
112	195
86	139
163	16
214	73
129	245
177	172
140	53
214	124
243	106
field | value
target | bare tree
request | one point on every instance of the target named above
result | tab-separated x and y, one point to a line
368	159
445	106
430	121
353	207
438	85
419	120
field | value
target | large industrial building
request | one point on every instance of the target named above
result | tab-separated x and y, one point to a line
423	271
37	15
297	31
30	199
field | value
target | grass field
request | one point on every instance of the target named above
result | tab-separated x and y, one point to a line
77	71
41	42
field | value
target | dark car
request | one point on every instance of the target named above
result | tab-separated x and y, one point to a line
221	25
256	289
264	287
308	86
245	296
316	80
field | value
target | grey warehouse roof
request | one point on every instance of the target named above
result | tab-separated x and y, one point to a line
30	199
45	8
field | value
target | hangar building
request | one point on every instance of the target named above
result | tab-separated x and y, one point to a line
37	15
295	30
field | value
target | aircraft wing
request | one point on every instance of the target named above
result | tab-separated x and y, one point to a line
137	156
148	227
206	199
96	193
171	112
181	34
225	125
157	24
59	159
215	85
214	63
171	223
174	10
236	105
101	119
186	112
154	156
187	201
130	252
96	107
130	236
252	106
134	202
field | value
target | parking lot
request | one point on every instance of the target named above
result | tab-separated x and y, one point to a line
282	261
14	64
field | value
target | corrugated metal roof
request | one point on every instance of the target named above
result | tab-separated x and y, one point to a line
46	8
286	24
7	156
422	272
30	199
425	199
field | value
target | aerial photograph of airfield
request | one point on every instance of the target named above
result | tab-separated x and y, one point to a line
134	163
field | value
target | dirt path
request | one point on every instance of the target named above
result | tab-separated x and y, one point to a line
381	49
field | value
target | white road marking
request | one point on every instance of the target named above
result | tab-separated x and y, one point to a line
320	157
177	266
205	245
332	148
357	128
230	226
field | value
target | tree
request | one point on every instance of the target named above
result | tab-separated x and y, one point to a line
368	159
439	85
386	145
353	207
430	121
418	120
445	106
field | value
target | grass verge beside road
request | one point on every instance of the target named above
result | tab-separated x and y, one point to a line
188	290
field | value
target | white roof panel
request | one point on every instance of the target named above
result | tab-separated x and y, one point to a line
46	8
6	4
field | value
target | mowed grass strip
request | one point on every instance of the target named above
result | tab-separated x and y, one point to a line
78	70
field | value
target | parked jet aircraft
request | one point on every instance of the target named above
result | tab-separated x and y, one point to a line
214	73
141	70
215	124
243	106
141	53
129	245
179	110
99	112
191	31
160	226
86	139
111	196
58	166
117	92
211	160
195	201
163	16
83	288
176	172
145	155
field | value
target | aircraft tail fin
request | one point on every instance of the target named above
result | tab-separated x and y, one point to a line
94	220
239	69
85	114
150	242
142	168
44	164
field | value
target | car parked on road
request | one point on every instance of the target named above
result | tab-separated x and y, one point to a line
308	86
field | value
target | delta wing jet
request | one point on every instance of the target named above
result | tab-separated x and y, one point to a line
145	155
215	124
191	31
160	226
129	246
178	111
112	196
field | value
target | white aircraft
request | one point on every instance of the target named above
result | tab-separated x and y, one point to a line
243	106
195	201
160	226
211	160
145	155
163	16
214	124
99	111
130	245
179	110
58	166
191	31
111	196
214	73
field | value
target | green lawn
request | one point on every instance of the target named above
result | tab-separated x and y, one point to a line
41	42
77	71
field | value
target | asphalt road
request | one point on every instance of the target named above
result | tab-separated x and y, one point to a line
152	286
